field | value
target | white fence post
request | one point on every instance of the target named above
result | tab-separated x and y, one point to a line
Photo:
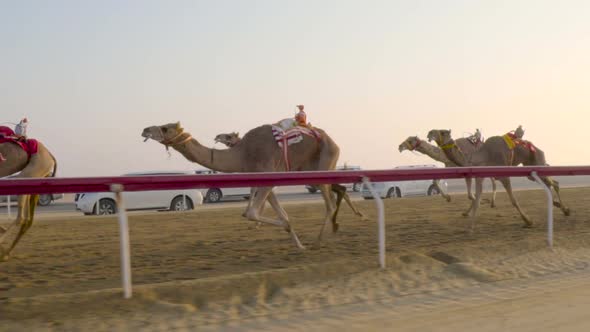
8	203
549	208
124	237
381	220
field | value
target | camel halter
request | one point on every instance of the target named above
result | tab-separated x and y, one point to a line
445	146
413	147
171	142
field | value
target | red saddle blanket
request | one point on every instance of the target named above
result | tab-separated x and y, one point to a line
31	146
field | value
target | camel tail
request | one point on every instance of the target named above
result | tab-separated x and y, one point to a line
54	165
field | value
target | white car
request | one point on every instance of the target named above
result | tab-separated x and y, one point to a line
214	195
44	199
173	200
349	186
392	189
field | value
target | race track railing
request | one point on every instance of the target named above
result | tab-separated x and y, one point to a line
16	186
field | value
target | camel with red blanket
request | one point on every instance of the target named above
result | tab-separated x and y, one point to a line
30	159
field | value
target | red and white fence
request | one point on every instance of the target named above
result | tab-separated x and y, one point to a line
14	186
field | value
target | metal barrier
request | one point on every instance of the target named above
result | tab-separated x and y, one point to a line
140	183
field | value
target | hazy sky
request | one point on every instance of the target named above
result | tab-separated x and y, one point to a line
90	75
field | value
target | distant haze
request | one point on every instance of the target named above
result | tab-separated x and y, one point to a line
90	75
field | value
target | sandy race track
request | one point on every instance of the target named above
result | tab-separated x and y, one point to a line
211	269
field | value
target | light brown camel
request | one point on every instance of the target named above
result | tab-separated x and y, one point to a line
507	150
228	140
413	143
37	165
259	152
231	139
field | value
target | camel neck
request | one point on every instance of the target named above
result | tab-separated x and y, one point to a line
432	151
452	151
226	160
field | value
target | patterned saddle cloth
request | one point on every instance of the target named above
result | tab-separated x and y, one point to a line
292	135
512	140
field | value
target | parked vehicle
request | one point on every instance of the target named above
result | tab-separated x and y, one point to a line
173	200
44	199
214	195
349	186
391	189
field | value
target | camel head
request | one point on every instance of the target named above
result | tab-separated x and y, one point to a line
411	143
440	136
229	140
163	134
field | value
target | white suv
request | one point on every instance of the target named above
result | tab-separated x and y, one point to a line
173	200
214	195
392	189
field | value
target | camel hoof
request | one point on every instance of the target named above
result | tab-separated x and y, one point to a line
493	205
566	211
335	227
448	198
528	225
465	214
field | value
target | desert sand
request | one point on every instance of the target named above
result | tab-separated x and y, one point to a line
212	270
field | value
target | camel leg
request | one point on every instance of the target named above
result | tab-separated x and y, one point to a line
559	203
250	200
441	191
508	186
253	213
22	207
469	193
341	194
330	209
475	203
493	192
274	203
30	213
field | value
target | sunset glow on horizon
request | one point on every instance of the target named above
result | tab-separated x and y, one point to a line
91	75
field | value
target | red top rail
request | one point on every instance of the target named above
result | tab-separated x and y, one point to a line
14	186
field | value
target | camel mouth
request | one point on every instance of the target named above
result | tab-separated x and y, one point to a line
146	136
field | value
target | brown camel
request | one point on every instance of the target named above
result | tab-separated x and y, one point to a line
231	139
507	150
413	143
228	140
259	152
37	165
